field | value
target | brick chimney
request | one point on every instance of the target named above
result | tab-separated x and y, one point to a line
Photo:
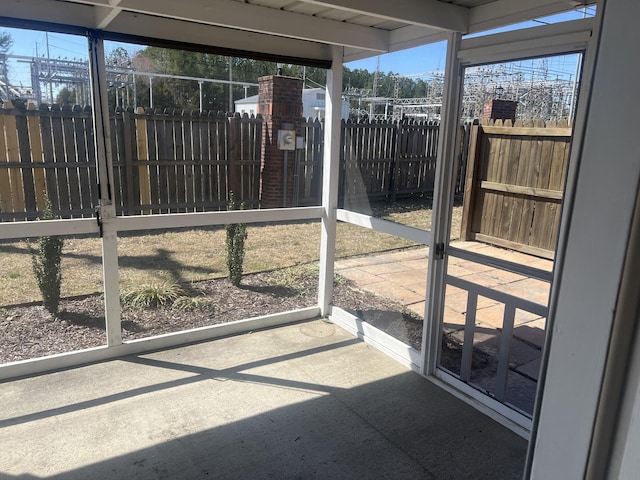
495	109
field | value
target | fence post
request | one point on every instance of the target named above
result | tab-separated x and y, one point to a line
395	165
470	181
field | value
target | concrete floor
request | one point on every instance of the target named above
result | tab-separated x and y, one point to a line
302	401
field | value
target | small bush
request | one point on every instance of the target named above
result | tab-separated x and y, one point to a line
46	261
236	235
152	296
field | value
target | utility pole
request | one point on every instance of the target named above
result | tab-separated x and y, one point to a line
375	87
46	34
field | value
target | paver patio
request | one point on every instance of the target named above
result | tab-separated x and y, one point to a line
402	276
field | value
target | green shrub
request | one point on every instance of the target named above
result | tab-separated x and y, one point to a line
46	261
236	235
152	296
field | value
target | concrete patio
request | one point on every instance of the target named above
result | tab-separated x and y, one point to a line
303	401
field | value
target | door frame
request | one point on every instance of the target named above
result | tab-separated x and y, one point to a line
563	38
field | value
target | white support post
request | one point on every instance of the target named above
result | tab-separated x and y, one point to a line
106	209
442	204
595	230
331	164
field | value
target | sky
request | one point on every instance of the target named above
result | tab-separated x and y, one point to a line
417	60
432	57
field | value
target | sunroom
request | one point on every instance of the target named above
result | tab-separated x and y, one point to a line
543	347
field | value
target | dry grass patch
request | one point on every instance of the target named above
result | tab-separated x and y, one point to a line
185	256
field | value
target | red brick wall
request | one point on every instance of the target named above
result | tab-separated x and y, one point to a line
499	109
280	101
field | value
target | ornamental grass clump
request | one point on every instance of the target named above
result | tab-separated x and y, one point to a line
236	236
152	295
46	260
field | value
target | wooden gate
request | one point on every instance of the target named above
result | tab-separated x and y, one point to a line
514	184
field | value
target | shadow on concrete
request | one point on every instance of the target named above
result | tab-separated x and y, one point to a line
402	427
201	374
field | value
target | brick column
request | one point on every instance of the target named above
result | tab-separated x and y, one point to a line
279	101
495	109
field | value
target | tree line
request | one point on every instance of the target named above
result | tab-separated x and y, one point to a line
181	94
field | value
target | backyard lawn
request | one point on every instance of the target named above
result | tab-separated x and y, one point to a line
189	255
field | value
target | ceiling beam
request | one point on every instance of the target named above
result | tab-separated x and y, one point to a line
63	13
507	12
61	16
104	15
255	18
200	34
424	13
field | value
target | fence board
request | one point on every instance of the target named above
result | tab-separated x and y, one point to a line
188	157
116	125
205	154
197	169
6	198
144	170
80	132
51	174
152	149
131	186
28	189
91	156
71	157
178	136
13	155
37	157
60	159
515	185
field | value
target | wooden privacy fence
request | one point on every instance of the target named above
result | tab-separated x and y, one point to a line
175	161
46	153
163	161
381	160
183	161
307	175
514	184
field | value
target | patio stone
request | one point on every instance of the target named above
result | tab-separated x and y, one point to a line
533	332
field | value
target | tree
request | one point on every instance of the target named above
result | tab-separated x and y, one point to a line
118	57
6	41
66	96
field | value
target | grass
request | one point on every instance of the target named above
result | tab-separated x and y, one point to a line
152	295
180	257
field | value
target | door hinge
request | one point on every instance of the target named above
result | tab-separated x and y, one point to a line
439	251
